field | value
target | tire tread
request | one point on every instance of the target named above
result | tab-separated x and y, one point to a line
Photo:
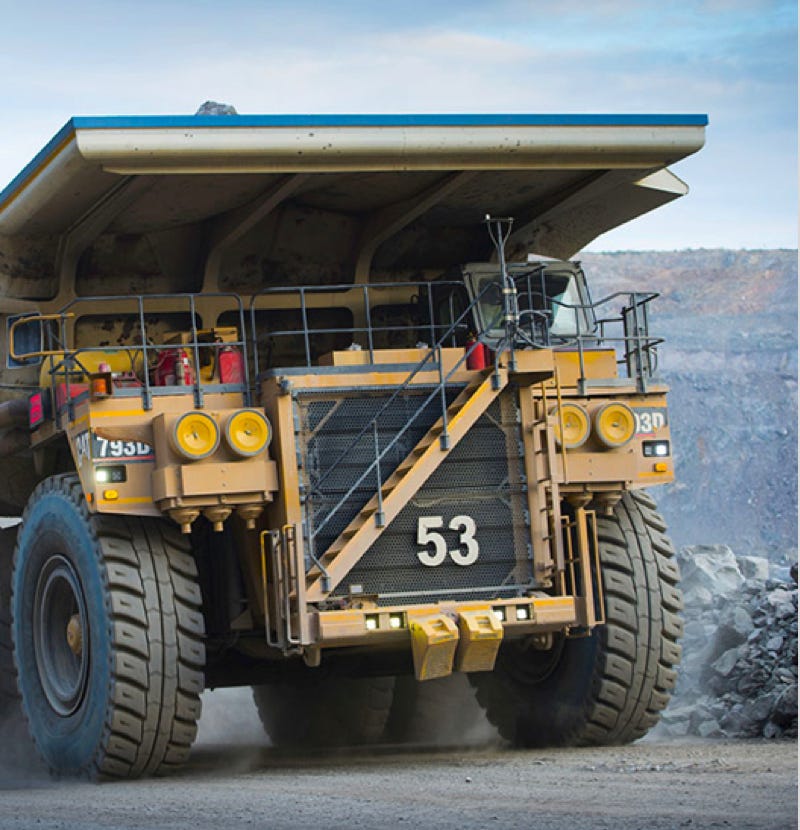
634	654
151	583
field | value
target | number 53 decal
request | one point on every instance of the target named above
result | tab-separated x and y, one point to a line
427	535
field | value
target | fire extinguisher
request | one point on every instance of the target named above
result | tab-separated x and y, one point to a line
173	368
231	365
184	377
476	353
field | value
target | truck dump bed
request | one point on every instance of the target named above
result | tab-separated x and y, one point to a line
326	193
182	204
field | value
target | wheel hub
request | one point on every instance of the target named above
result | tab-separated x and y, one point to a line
75	635
60	635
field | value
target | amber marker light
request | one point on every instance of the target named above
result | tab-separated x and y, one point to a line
572	427
248	432
615	424
195	435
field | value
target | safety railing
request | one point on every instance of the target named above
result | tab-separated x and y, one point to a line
147	352
628	331
365	301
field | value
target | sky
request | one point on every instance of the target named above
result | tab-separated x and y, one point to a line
735	60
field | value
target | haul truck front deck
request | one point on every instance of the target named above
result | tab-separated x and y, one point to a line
318	404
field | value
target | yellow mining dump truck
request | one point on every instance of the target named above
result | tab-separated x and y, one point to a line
292	402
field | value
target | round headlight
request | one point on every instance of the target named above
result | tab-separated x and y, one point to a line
248	432
615	424
572	427
195	435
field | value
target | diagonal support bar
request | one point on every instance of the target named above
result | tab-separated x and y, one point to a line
402	485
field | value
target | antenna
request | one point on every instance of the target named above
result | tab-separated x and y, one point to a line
499	228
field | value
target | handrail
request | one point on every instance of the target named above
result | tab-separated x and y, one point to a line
367	292
140	307
34	318
534	327
636	344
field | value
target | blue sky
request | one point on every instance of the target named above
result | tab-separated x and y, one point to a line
733	59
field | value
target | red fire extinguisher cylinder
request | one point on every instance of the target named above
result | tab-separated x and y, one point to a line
476	354
173	368
231	365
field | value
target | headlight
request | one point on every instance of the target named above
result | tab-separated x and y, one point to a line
572	428
195	435
615	424
110	475
655	449
247	432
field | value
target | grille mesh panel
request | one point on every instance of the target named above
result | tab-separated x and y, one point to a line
329	428
482	477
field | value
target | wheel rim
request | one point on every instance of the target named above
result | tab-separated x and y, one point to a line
61	636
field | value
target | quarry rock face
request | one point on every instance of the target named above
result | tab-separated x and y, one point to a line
739	672
729	319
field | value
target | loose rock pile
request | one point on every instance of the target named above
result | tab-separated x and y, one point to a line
739	670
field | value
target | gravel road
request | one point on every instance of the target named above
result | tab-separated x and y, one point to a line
653	785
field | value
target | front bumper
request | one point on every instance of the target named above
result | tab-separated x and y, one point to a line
447	636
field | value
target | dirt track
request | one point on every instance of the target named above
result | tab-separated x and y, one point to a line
650	785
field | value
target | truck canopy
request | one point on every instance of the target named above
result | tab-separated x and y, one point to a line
192	203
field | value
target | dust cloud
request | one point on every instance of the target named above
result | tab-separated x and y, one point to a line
230	717
446	714
20	766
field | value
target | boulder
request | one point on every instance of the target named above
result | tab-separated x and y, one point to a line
735	626
785	707
709	569
215	108
725	664
754	567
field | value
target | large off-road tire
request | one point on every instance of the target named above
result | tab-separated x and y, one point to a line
17	750
8	682
108	637
315	710
610	687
